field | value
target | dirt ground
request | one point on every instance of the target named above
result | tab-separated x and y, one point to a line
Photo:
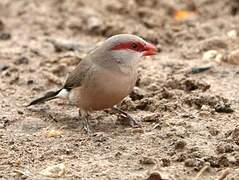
189	117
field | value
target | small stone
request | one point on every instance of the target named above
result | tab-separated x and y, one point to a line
59	70
14	79
196	70
219	58
1	25
205	108
3	67
165	162
232	34
94	24
154	176
213	131
223	108
115	7
154	117
30	81
233	57
213	161
236	157
225	148
20	112
54	133
100	137
223	161
189	163
127	104
137	94
145	104
166	93
204	113
196	163
19	174
54	171
153	87
209	55
5	36
52	78
235	135
213	43
147	161
22	60
180	144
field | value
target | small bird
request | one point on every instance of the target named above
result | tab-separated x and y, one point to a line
104	77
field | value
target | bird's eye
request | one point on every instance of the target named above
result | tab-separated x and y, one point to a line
134	45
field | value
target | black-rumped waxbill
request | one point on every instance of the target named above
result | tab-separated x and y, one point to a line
104	77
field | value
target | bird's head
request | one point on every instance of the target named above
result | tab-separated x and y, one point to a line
131	44
126	48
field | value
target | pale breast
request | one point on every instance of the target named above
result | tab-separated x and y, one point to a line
103	89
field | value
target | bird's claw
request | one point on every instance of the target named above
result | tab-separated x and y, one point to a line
132	122
87	128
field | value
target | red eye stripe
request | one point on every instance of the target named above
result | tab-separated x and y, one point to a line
135	46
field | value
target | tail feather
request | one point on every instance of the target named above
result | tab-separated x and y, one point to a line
48	96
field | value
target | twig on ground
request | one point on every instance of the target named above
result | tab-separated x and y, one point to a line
207	165
224	174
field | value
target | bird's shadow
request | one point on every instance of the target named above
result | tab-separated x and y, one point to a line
70	119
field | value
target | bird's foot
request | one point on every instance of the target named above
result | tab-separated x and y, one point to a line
86	124
131	121
87	128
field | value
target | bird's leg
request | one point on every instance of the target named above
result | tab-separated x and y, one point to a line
86	124
132	121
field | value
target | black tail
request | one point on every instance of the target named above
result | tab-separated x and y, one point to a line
48	96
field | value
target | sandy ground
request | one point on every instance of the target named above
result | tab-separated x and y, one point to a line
189	119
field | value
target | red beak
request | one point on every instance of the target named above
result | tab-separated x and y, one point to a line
150	50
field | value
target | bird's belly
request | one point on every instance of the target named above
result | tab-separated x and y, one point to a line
103	92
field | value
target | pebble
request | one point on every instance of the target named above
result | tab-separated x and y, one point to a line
30	81
232	34
204	113
1	25
52	78
190	162
22	60
211	55
223	108
94	24
54	171
205	108
115	7
5	36
233	57
54	133
235	135
100	137
165	162
154	176
3	67
213	131
153	117
137	94
224	148
147	161
180	144
196	70
213	43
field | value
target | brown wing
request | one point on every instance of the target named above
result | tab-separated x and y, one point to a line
78	75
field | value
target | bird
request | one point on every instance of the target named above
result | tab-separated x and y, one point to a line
104	77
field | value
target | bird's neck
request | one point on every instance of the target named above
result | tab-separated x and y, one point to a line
119	61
